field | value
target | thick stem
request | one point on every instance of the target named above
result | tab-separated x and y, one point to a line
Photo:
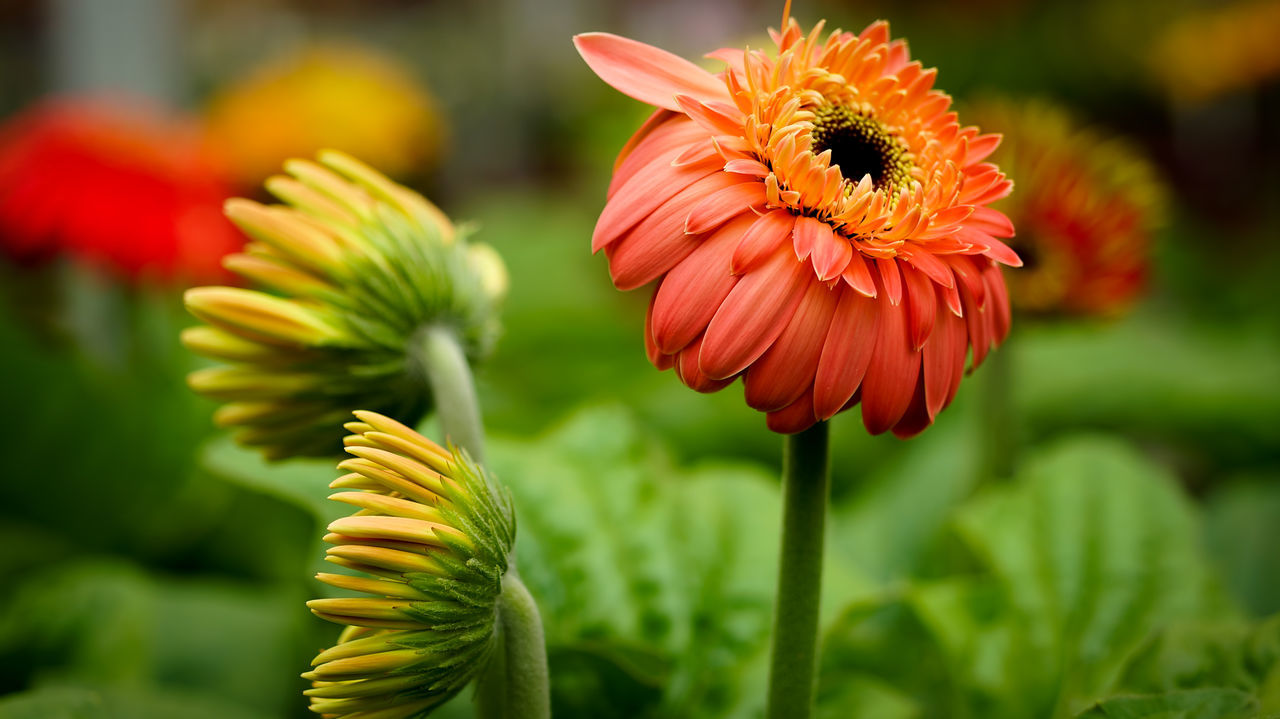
805	486
448	374
514	685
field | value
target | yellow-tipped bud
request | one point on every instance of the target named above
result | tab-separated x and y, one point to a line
436	565
358	266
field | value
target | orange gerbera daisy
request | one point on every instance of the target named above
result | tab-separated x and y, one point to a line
1087	206
817	221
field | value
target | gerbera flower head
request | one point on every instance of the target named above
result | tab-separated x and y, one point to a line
357	267
343	96
1086	208
129	189
429	545
816	220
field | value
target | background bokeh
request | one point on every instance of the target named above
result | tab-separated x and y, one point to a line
149	568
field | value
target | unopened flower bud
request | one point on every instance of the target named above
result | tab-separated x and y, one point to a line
354	268
430	542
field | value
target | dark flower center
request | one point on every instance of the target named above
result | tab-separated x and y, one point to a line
861	146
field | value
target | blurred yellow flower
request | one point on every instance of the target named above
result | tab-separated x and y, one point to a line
1215	51
339	96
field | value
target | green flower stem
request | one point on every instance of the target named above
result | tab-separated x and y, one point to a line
805	486
514	684
448	373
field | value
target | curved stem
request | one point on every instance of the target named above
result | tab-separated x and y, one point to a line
514	684
448	374
805	485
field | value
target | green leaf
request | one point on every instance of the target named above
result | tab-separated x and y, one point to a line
897	514
1190	704
1090	552
1242	533
1209	382
300	482
110	624
663	573
80	702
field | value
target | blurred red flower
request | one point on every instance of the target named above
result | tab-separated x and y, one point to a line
127	189
1087	207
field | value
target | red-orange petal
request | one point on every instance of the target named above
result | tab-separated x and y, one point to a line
719	207
991	221
659	118
891	278
658	242
656	357
917	418
892	372
832	253
691	373
922	305
761	240
795	417
652	186
753	315
787	369
944	360
858	276
846	352
649	74
693	290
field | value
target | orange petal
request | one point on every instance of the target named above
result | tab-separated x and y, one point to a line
692	375
693	290
653	185
922	305
795	417
787	369
667	140
845	353
753	315
761	239
831	253
647	73
892	372
720	206
858	276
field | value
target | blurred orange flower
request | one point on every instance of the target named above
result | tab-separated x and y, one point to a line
817	222
129	189
1086	208
342	97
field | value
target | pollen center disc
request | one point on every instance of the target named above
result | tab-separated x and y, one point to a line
860	146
